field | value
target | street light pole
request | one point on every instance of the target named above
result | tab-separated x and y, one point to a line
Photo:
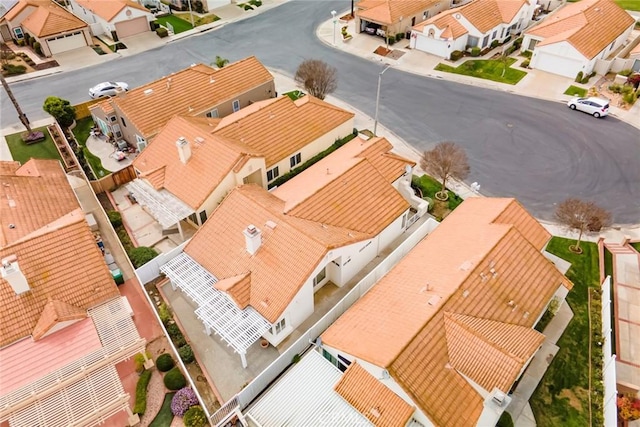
375	123
333	14
190	13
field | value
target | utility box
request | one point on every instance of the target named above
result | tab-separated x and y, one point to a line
91	220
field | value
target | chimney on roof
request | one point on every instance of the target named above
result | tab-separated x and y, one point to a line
12	274
253	238
184	149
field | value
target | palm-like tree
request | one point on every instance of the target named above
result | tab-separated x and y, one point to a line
22	116
220	62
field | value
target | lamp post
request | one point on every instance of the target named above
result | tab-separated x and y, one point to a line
190	13
375	123
333	14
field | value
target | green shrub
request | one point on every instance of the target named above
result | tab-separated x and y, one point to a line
138	361
525	63
174	380
399	36
391	40
165	362
579	77
247	7
527	53
626	72
176	335
21	42
37	47
456	54
517	42
495	43
630	98
115	218
505	420
141	393
195	417
585	80
162	32
256	3
164	313
13	70
141	255
60	109
186	353
475	51
615	88
295	358
354	132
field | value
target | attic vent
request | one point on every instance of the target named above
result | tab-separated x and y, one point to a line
12	203
493	272
498	398
483	277
424	288
434	300
148	91
465	293
211	79
12	226
270	224
465	266
511	303
199	139
375	413
526	315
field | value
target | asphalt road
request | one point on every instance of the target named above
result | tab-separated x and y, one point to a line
538	151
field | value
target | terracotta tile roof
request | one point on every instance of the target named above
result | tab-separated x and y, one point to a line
108	10
281	127
192	91
52	352
444	21
399	323
490	353
32	196
373	399
388	12
291	247
238	287
212	159
53	313
588	25
378	152
48	18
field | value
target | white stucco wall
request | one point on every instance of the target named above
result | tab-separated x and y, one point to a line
559	58
135	13
300	308
101	26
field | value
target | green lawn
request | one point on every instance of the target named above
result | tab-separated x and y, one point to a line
625	4
429	187
81	132
488	69
179	25
636	245
561	398
22	152
575	91
164	417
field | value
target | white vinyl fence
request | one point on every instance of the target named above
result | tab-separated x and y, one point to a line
241	400
609	366
151	270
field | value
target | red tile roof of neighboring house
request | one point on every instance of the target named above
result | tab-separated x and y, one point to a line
108	10
48	18
388	12
589	26
483	287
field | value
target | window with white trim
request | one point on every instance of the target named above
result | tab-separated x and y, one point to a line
203	217
236	105
320	277
294	160
279	327
213	113
273	174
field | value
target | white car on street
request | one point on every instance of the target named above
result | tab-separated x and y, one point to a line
597	107
107	89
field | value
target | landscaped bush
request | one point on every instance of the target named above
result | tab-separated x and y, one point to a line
184	399
456	54
141	393
138	361
60	109
256	3
162	32
176	335
399	36
141	255
626	72
165	314
585	80
165	362
579	77
247	6
517	42
115	218
186	353
195	417
527	53
615	88
511	49
505	420
37	47
391	40
13	70
495	43
525	63
174	380
475	51
32	137
630	98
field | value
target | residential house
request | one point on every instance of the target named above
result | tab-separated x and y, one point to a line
575	37
198	6
254	267
65	325
116	19
476	24
55	29
391	17
138	115
450	328
198	160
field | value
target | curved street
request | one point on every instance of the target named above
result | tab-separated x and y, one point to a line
538	151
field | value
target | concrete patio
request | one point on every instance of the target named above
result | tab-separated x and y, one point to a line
107	153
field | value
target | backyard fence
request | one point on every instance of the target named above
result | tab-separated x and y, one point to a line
609	359
114	180
241	400
151	270
82	110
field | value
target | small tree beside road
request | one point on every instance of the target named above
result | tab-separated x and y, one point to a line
581	215
61	110
317	77
220	62
444	161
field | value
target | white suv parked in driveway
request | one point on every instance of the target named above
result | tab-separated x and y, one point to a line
597	107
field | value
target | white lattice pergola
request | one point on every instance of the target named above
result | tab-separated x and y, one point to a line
238	328
88	389
166	208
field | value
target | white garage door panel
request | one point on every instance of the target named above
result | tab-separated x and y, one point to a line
132	27
66	43
558	65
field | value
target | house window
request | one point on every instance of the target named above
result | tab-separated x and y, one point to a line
116	131
279	327
472	41
213	113
320	277
502	33
612	43
532	44
273	174
18	32
236	105
485	41
295	160
329	357
343	363
123	122
495	33
425	15
203	217
193	218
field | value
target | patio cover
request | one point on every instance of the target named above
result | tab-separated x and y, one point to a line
238	328
166	208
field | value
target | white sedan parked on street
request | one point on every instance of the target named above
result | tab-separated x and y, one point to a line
597	107
107	89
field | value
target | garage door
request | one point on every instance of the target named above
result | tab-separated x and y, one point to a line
557	64
132	27
67	42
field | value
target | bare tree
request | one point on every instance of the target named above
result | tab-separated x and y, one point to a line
581	216
444	161
317	77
